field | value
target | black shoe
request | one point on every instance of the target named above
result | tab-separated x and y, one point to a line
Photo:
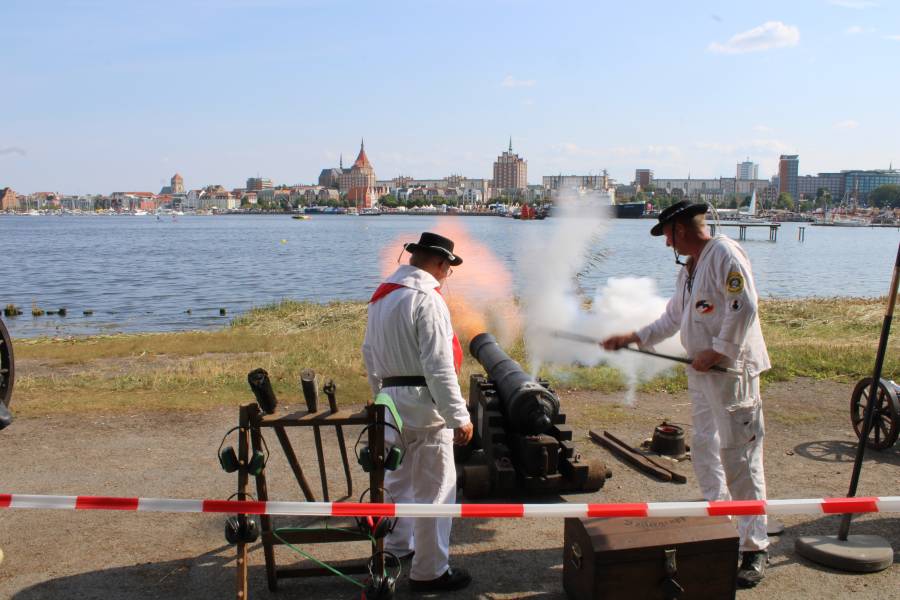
451	580
752	569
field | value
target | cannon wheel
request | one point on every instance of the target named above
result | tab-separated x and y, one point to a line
886	420
7	366
596	475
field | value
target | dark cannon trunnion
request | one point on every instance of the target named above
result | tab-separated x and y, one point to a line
650	559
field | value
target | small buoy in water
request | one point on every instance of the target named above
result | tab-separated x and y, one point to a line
12	310
222	312
88	313
284	241
188	311
36	312
62	311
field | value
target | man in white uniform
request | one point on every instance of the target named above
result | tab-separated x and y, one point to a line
715	308
412	354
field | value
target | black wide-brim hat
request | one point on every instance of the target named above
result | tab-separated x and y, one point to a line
679	210
435	244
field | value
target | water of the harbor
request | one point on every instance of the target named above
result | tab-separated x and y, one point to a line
144	273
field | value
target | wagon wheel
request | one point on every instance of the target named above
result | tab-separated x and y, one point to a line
885	421
7	366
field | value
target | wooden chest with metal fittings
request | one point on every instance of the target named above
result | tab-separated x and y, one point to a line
650	558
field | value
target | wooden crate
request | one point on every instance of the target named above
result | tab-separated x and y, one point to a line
627	558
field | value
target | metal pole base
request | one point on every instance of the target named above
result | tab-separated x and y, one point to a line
858	554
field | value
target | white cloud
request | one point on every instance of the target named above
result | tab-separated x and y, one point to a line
762	128
769	35
854	30
896	38
854	4
13	150
848	124
511	82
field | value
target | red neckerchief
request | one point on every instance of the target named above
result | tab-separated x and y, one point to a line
386	288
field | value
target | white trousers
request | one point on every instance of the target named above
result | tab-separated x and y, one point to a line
427	475
727	446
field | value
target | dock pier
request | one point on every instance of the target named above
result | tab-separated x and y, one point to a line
742	229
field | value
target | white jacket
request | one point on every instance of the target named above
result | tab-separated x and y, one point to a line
409	333
717	310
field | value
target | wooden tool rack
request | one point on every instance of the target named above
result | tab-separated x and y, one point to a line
252	422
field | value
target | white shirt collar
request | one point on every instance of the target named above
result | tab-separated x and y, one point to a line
414	277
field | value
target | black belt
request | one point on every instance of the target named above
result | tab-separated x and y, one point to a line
404	381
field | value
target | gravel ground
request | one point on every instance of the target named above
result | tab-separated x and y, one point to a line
80	555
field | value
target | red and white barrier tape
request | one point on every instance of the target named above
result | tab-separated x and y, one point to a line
816	506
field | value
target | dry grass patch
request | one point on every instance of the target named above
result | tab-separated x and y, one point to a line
818	338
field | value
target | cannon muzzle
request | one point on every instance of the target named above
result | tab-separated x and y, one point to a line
528	407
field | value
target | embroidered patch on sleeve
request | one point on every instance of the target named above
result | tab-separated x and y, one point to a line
703	307
735	283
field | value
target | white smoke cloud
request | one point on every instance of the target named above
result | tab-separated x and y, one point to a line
553	302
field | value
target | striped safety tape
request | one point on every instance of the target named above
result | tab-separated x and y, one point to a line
816	506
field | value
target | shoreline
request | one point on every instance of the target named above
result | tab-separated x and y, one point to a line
224	322
822	339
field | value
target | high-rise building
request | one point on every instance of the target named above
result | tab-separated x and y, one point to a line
747	170
256	184
643	178
788	165
510	172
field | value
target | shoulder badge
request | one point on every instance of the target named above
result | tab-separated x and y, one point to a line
735	283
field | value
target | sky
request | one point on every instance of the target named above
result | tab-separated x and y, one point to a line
102	96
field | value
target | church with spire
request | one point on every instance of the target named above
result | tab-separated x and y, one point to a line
356	184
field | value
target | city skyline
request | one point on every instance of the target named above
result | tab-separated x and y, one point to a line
107	97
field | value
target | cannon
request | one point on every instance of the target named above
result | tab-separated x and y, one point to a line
521	442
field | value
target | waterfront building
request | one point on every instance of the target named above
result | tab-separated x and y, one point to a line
510	173
788	166
176	186
808	186
192	200
256	184
858	183
472	196
747	170
536	193
216	197
553	183
643	178
132	201
8	199
327	194
331	177
357	184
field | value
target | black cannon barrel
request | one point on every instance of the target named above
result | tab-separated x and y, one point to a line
529	407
